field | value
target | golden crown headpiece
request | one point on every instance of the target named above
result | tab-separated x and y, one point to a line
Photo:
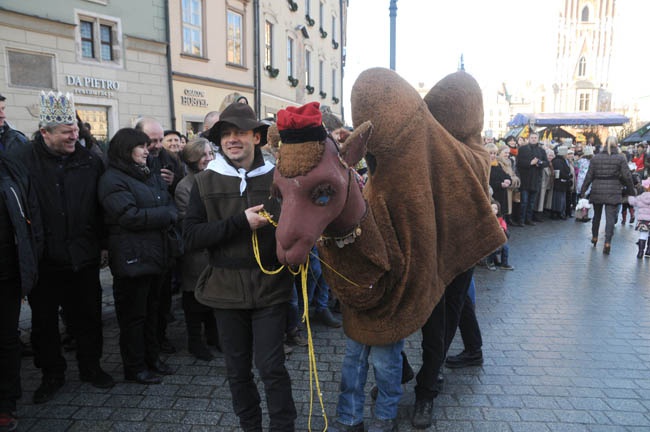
57	108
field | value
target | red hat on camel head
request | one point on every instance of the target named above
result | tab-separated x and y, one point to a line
301	124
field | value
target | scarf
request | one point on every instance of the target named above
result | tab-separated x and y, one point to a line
220	165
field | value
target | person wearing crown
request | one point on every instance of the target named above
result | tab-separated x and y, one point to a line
64	175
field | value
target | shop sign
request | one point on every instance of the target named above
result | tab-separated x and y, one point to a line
194	97
91	86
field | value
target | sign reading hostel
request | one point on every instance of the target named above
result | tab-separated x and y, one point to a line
193	97
90	86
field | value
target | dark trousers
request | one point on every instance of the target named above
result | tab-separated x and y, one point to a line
257	334
165	304
10	390
197	316
611	213
136	308
80	294
438	332
470	332
528	198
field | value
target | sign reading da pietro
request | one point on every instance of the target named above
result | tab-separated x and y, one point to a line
91	86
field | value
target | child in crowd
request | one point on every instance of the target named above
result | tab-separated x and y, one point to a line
642	205
504	251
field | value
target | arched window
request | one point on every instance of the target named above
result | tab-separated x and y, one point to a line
585	14
582	67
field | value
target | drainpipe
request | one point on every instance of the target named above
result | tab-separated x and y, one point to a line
170	84
257	80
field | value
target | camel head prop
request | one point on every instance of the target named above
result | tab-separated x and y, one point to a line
315	180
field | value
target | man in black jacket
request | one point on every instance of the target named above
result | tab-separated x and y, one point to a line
21	238
10	139
531	161
64	175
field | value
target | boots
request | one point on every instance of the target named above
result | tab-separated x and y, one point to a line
631	215
624	216
641	244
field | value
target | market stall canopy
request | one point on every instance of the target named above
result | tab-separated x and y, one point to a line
569	119
642	134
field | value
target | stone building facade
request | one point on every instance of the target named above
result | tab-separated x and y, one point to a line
275	53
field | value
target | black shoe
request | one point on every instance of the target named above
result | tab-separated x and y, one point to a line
531	223
295	337
166	347
8	422
422	417
516	224
97	377
161	368
48	388
377	425
537	218
144	377
465	359
200	351
325	316
340	427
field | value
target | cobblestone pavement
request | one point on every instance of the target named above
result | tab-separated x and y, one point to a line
566	347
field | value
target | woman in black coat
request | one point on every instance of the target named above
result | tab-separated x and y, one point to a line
499	179
139	213
608	173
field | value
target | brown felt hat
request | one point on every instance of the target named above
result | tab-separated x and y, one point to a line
242	116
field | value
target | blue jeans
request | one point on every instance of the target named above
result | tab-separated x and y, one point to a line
387	366
527	205
317	287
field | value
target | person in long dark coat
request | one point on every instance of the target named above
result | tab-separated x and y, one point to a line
608	173
562	182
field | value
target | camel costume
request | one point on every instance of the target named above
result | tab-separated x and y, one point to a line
428	217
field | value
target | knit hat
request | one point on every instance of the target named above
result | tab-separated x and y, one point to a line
301	124
562	151
240	115
588	151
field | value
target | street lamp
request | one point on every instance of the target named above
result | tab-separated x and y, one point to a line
393	15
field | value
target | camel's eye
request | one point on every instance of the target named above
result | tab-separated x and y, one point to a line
322	194
275	193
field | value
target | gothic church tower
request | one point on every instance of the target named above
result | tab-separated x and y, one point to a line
584	52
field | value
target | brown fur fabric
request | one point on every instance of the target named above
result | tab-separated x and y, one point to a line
428	198
299	159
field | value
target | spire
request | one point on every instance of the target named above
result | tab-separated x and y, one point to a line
461	64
